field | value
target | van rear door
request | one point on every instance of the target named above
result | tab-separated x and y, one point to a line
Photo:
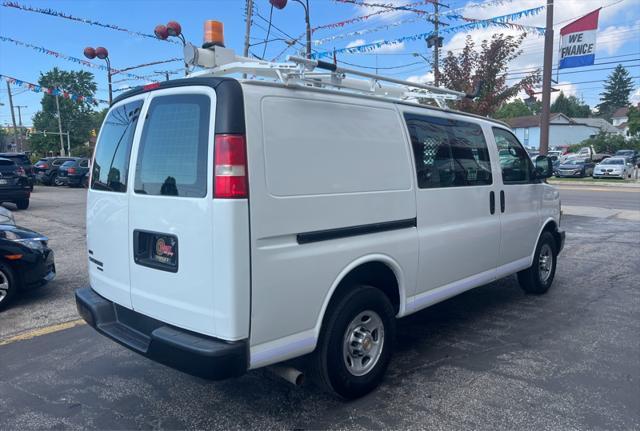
108	203
171	209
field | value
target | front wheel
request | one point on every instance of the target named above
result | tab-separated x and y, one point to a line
356	343
538	277
7	286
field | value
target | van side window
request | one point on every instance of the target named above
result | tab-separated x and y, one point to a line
114	148
516	165
172	157
448	153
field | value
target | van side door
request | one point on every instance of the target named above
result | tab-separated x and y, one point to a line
458	224
520	199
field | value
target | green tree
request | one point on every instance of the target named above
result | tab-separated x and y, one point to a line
570	106
516	108
634	121
489	66
77	116
617	89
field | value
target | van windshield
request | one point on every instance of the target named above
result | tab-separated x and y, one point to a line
114	147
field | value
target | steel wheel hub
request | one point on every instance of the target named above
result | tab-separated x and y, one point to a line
363	343
545	262
4	286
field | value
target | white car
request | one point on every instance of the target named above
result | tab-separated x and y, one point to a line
613	167
6	216
235	224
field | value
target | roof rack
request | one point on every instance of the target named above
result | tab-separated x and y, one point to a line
220	61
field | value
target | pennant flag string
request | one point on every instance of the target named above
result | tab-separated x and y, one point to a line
361	18
500	21
505	18
54	91
51	12
67	57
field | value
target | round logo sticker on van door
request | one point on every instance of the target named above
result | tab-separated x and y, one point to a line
164	250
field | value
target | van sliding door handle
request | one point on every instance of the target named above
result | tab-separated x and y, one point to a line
492	202
501	201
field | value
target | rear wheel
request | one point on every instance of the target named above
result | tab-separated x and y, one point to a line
356	343
56	180
22	204
7	286
85	182
537	279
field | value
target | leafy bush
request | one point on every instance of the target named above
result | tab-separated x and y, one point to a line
607	143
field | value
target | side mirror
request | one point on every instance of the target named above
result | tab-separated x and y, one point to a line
543	167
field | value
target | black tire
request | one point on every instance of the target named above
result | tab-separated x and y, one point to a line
533	280
22	204
8	287
328	366
56	181
85	182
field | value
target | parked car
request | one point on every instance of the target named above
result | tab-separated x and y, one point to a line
616	167
632	155
46	170
6	216
22	159
14	184
238	238
74	173
26	262
575	167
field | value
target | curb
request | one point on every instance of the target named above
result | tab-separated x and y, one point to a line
634	185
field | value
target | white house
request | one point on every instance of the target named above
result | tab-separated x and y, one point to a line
562	129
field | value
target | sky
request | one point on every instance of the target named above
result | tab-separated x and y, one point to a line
618	39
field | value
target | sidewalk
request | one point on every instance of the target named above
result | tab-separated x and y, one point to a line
594	183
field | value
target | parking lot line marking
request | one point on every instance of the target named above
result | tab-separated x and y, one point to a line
42	331
602	189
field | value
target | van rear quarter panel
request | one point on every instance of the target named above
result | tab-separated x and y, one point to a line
317	162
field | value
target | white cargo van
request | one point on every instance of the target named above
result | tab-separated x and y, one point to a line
234	224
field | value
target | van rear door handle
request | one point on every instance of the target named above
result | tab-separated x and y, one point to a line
492	202
502	201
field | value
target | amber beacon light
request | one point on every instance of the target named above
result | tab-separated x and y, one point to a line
213	34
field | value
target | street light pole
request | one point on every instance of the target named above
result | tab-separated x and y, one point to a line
20	126
109	79
280	4
60	127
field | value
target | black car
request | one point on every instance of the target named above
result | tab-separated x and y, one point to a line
26	261
46	169
74	173
578	167
631	155
22	159
14	184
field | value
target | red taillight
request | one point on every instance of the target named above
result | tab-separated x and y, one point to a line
71	171
230	167
44	166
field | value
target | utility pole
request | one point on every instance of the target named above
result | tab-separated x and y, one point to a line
546	81
60	127
247	32
436	48
19	148
13	115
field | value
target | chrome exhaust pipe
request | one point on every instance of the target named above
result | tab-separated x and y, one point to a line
290	374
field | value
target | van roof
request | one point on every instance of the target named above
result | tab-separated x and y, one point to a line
214	82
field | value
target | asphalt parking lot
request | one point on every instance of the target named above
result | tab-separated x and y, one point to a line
492	358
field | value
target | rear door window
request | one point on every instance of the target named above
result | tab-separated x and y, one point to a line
114	148
172	156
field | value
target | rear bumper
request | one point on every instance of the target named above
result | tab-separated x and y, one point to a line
15	193
192	353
